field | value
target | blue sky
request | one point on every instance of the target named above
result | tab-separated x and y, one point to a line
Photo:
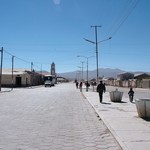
46	31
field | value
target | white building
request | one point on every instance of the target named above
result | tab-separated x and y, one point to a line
19	77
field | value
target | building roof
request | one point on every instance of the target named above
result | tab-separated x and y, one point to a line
8	71
125	73
141	76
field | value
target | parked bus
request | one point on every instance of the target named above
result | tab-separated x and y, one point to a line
49	80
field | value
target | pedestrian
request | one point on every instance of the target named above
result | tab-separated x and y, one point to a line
101	89
80	86
77	84
131	94
87	85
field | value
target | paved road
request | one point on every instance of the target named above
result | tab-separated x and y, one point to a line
57	118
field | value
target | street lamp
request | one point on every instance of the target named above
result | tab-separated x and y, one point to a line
78	75
80	71
96	43
87	69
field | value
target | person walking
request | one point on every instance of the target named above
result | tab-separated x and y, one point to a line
131	94
80	86
77	84
100	89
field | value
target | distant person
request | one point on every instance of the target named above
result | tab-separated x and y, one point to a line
77	84
100	89
81	86
87	84
131	94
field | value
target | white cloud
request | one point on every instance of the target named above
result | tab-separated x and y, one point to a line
56	2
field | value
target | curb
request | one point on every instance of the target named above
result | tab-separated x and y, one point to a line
118	140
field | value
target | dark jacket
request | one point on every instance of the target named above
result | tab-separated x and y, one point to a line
131	93
101	88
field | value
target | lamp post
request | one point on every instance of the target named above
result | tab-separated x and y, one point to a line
96	43
87	58
80	71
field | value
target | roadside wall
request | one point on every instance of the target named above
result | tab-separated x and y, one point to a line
135	83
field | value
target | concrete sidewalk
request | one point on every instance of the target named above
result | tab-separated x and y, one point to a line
132	132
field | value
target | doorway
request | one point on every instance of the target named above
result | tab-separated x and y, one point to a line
18	81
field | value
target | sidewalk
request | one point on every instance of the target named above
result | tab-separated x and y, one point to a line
131	132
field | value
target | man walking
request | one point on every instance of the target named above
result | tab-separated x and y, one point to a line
100	89
80	85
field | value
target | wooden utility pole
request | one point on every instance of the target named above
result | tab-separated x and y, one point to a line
31	73
1	68
12	82
96	42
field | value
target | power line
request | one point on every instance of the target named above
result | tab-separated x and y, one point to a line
16	57
121	20
20	58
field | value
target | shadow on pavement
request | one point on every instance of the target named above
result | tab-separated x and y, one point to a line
106	103
120	102
146	119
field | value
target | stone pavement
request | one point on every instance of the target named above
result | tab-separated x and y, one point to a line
57	118
131	132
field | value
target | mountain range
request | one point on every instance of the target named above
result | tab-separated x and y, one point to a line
103	72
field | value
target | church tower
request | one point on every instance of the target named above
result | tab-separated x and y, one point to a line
53	69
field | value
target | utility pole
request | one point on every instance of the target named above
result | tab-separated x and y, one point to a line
82	69
1	67
96	42
12	72
87	77
31	73
41	69
80	78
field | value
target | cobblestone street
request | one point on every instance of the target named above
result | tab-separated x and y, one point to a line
57	118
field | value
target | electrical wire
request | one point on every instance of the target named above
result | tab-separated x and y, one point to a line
126	12
21	59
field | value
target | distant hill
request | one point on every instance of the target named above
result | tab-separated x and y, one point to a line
107	72
103	72
43	72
